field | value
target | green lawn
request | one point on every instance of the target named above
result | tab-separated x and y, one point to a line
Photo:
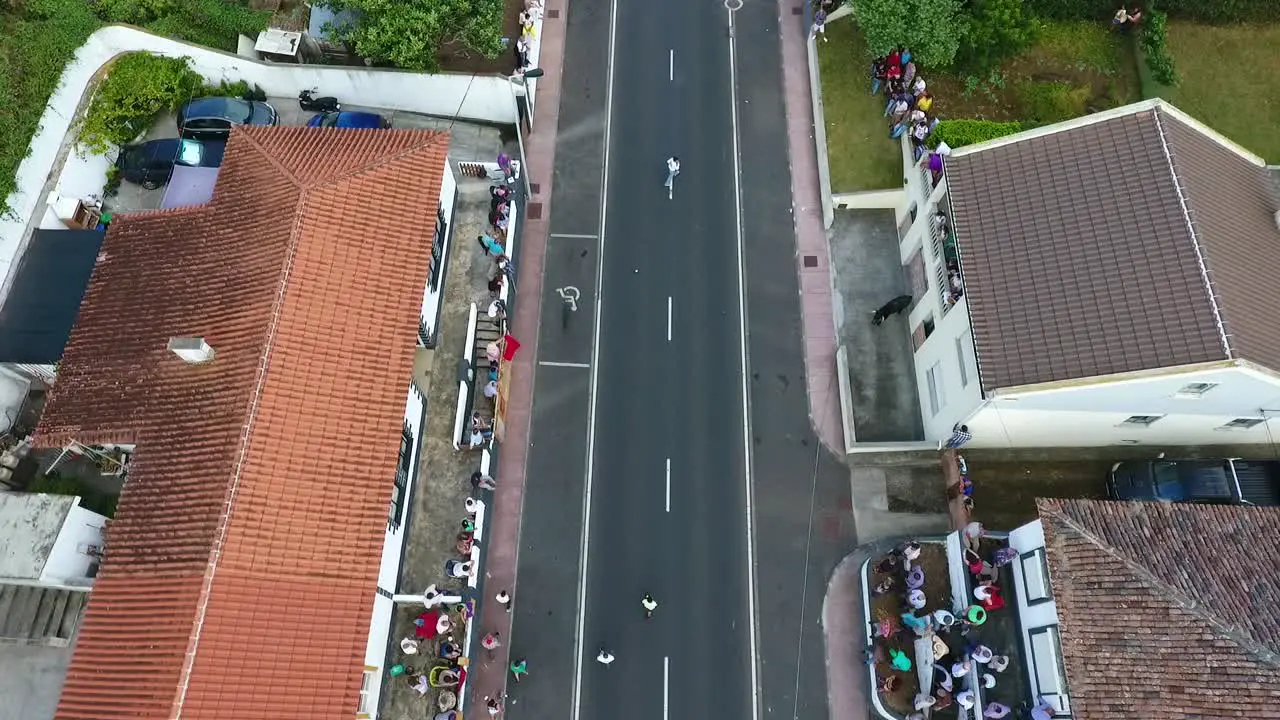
1229	81
862	157
1074	68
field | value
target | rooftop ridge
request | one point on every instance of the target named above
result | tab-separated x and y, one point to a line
1053	508
1195	237
429	139
1059	127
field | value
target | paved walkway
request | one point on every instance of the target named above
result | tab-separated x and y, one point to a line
489	677
843	629
811	237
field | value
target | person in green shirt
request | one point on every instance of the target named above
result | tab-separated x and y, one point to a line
519	667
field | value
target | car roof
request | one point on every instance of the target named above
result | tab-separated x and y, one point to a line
163	147
212	106
356	118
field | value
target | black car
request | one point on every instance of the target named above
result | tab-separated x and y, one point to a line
1230	481
150	164
215	116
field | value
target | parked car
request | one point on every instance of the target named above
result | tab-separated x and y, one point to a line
1231	481
150	164
349	119
215	116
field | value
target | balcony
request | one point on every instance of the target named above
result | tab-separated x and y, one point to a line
949	277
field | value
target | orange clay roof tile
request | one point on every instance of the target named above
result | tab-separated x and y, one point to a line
242	562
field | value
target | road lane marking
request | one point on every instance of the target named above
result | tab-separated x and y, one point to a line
595	371
671	66
742	337
668	484
666	686
574	236
668	318
549	363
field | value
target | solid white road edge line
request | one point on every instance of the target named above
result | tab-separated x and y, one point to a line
666	686
574	236
595	370
746	401
668	318
668	484
549	363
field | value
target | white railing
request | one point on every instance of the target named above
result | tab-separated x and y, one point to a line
465	383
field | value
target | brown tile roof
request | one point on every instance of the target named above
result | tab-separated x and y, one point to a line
243	559
1078	259
1166	611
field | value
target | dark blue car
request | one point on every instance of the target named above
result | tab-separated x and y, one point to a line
349	119
212	117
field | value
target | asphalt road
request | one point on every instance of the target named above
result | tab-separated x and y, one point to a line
677	399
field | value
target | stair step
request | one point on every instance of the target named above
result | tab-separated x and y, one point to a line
71	615
44	613
6	599
58	608
26	603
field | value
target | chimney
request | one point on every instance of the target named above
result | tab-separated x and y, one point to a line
192	350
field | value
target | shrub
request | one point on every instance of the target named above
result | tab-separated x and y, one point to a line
931	29
136	89
958	133
90	499
1050	102
1155	46
997	29
213	23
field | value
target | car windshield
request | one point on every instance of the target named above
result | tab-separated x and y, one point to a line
330	120
238	110
1177	482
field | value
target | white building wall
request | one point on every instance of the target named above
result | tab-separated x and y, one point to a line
71	556
1091	414
431	296
484	98
945	370
389	570
1028	540
13	392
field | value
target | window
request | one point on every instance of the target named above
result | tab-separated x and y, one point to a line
1193	391
964	349
437	249
1141	420
1046	661
1243	423
937	398
402	475
928	326
367	683
1035	575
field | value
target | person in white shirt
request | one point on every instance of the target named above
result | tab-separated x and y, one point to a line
673	169
999	663
604	657
1043	710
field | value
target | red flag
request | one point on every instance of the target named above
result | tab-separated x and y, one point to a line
509	347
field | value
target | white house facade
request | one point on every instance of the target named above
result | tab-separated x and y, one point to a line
1044	318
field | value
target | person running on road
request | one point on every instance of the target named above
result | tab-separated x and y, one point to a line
673	169
518	668
604	657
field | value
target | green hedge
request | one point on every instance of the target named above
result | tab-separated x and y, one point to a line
1211	11
1155	47
958	133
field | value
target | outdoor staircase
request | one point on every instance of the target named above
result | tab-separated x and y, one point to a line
488	330
32	615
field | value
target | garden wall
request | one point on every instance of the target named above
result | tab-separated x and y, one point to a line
469	97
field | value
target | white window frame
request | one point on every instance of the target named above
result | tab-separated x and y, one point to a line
1242	423
1036	564
1058	667
1141	420
367	683
937	395
964	348
1195	391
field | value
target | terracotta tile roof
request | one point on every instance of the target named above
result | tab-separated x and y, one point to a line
1166	611
1078	259
243	559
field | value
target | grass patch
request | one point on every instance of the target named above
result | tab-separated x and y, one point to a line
861	155
1228	81
1074	68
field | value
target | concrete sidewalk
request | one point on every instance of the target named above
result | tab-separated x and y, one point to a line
489	676
812	252
843	627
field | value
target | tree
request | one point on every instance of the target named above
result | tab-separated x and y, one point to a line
409	33
138	86
931	29
996	29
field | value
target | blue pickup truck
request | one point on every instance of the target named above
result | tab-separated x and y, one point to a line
1230	481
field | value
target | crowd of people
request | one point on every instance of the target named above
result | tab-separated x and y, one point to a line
908	103
960	663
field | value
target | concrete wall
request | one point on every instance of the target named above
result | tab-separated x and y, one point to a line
69	560
1028	540
470	97
1090	413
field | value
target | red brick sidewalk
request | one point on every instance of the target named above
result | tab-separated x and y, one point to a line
489	677
811	237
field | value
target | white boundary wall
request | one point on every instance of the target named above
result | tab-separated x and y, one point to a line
481	98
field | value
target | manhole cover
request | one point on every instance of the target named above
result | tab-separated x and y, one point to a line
797	10
535	188
534	211
811	261
553	14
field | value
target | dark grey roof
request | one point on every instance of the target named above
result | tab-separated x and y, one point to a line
1131	243
44	299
